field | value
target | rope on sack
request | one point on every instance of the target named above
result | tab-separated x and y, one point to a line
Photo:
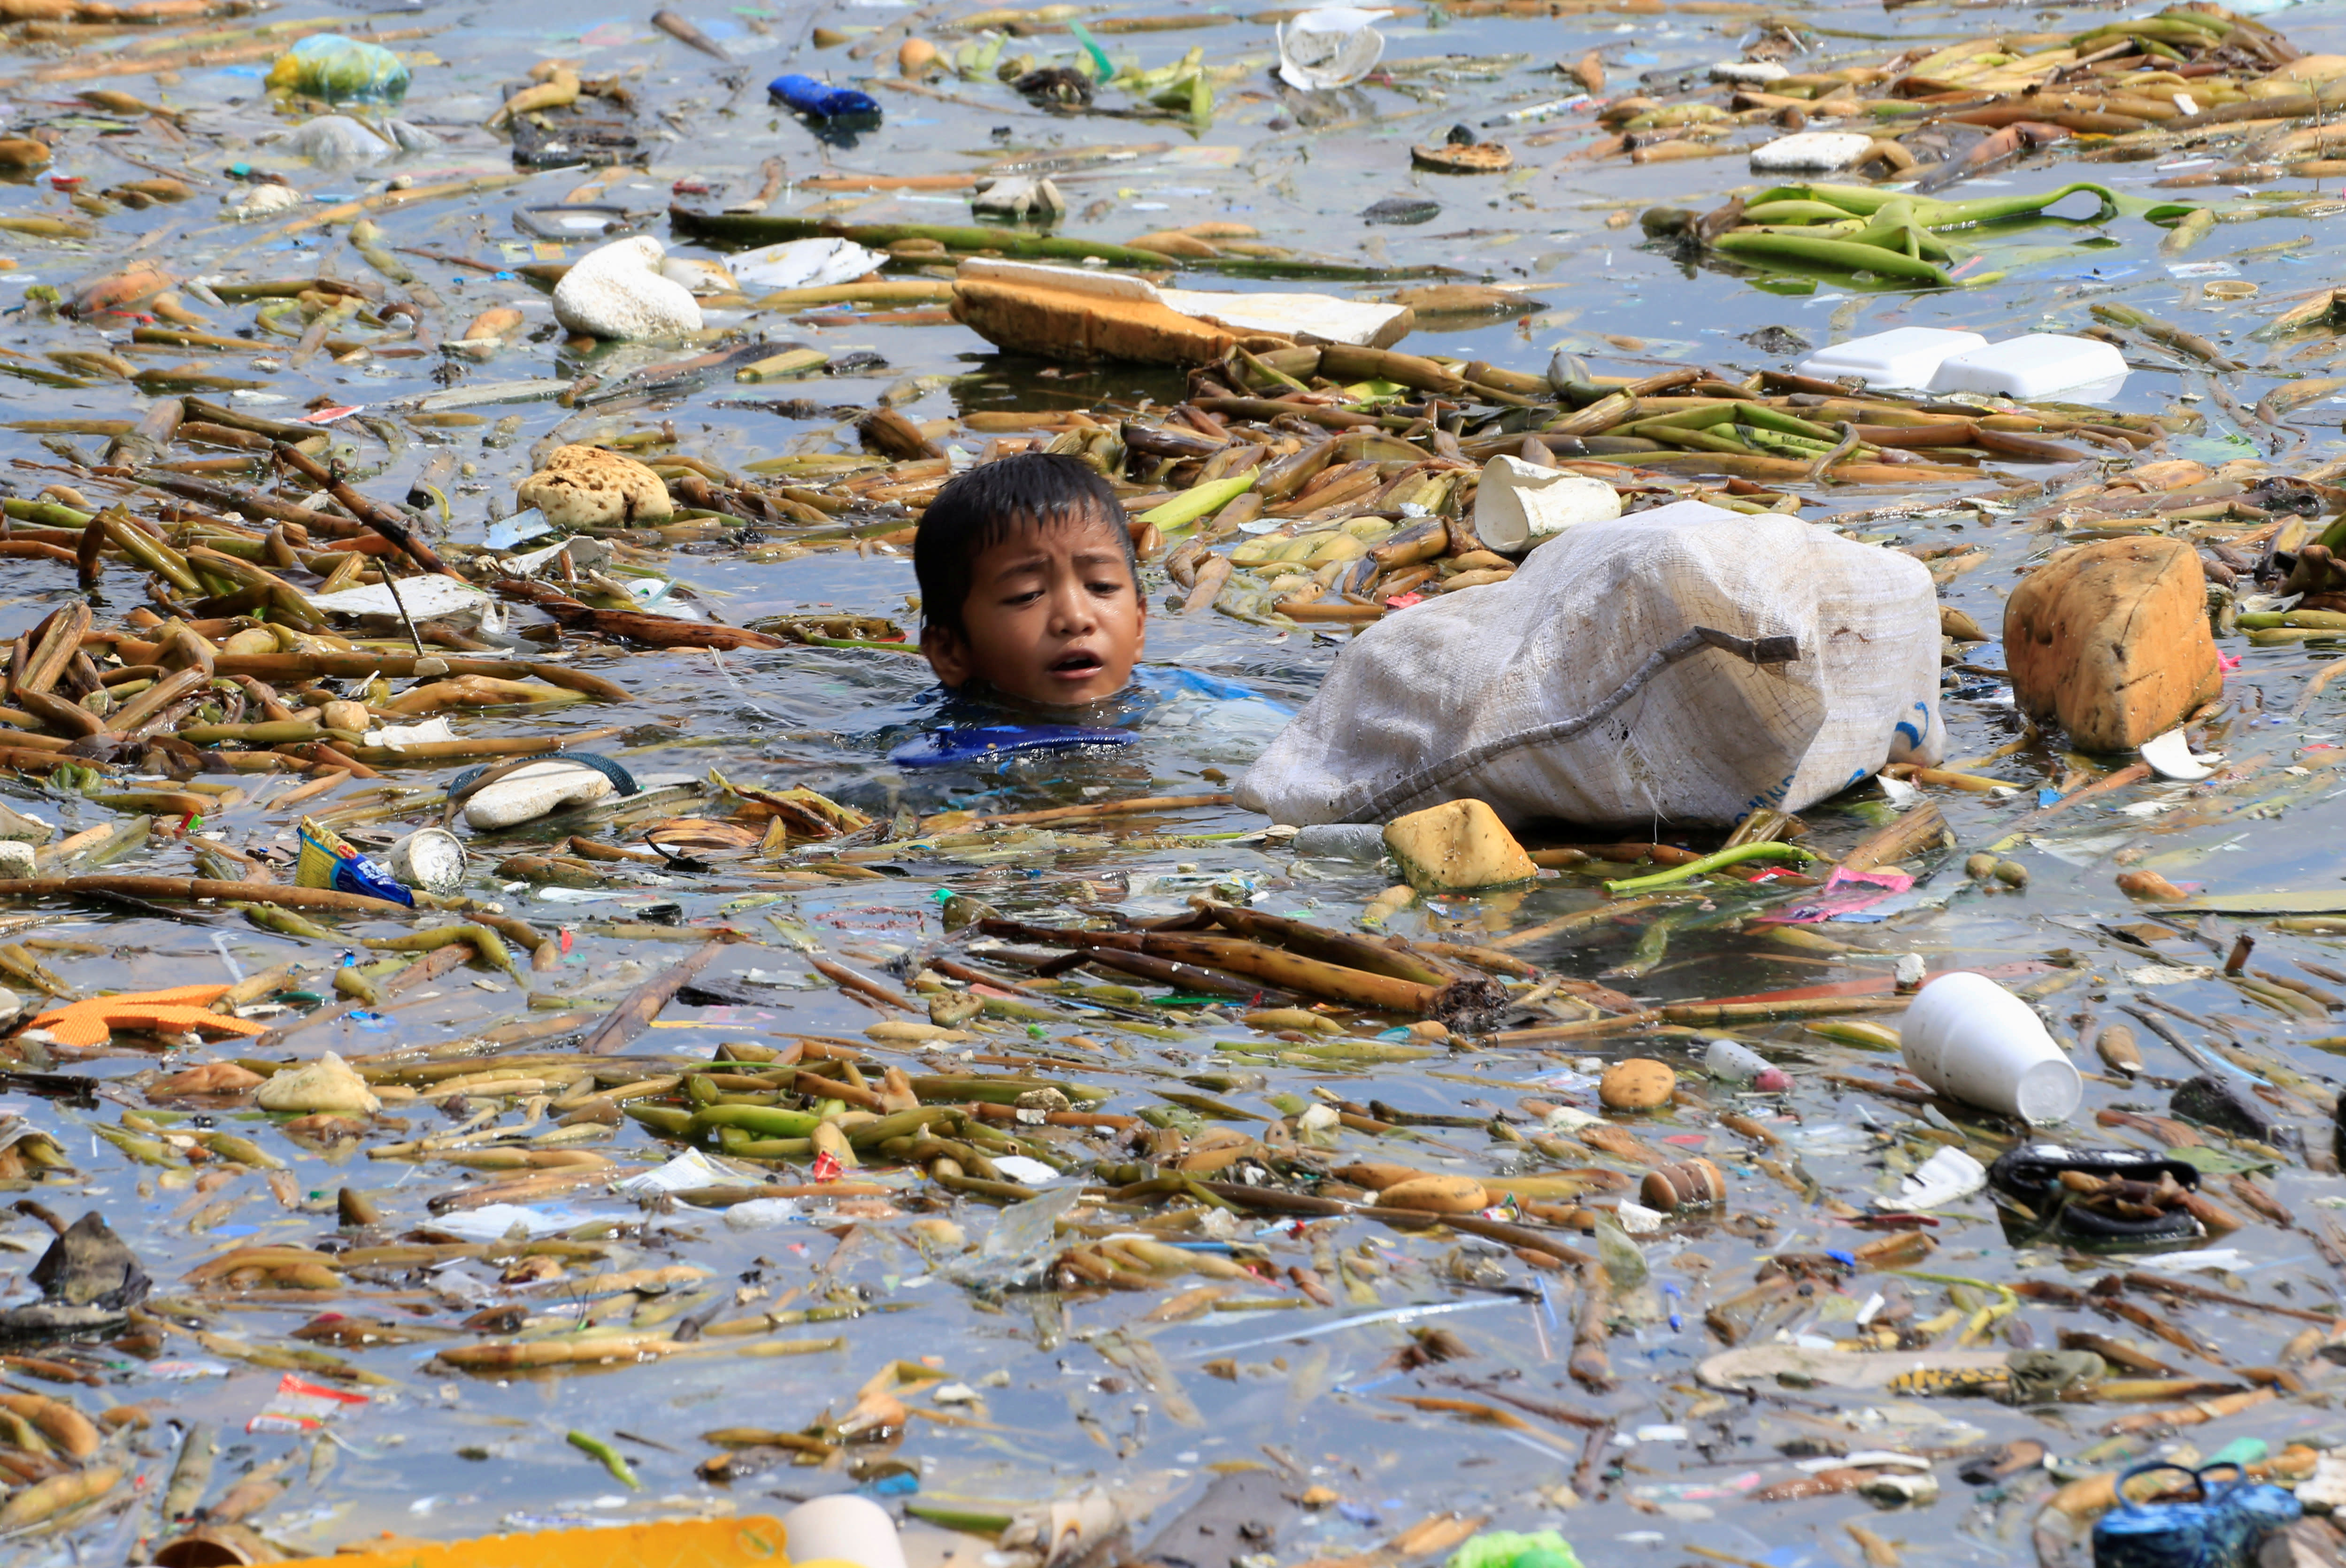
1754	650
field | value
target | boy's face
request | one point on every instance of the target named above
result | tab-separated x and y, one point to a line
1054	616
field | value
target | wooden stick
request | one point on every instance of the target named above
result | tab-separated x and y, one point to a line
634	1015
200	888
1109	809
1914	832
2132	773
365	662
374	514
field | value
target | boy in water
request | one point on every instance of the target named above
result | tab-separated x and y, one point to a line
1029	585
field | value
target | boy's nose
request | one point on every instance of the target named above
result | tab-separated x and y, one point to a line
1071	608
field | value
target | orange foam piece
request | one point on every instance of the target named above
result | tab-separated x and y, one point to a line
89	1021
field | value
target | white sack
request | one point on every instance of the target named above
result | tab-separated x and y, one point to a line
1489	693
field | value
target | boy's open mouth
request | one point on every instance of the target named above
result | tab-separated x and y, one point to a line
1076	665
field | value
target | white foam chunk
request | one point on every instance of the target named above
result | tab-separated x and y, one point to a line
2035	366
1811	152
1902	357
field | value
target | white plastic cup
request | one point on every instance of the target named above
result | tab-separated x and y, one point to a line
431	858
1971	1039
1519	503
842	1528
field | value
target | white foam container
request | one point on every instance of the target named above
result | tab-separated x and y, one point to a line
2037	365
1902	357
1811	152
1747	73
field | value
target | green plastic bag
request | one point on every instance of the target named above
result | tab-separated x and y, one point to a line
1506	1549
333	67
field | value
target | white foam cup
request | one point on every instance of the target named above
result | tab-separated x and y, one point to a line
1519	503
431	858
1971	1039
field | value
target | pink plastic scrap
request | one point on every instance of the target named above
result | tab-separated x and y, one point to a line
1844	894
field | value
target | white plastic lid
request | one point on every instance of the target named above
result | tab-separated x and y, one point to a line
2049	1092
2035	366
1902	357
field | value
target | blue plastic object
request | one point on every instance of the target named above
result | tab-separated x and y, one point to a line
806	96
328	862
2220	1528
1175	681
984	743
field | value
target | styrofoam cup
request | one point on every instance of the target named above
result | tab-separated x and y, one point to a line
1519	503
431	858
842	1528
1970	1038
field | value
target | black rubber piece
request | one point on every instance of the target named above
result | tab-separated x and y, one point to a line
2032	1172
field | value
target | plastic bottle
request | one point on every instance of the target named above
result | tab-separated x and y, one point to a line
1362	841
1739	1064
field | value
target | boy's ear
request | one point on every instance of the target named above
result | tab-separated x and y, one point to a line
947	652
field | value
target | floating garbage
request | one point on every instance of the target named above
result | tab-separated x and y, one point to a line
2228	1520
327	862
329	66
337	139
747	1071
1970	1038
1329	46
2041	365
524	793
1518	504
430	858
1060	312
619	291
1907	357
1811	152
803	264
1499	701
806	96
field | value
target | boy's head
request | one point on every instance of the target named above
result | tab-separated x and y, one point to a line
1029	582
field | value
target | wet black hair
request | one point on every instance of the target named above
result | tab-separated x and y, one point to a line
979	509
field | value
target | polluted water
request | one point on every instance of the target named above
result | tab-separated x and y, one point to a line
1702	935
